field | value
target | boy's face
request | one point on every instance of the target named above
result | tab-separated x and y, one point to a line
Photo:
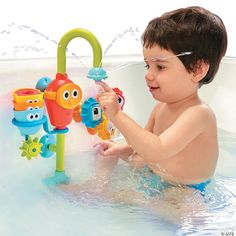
166	77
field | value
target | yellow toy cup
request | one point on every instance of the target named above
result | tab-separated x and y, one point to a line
27	95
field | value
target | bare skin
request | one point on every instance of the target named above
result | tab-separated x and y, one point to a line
179	141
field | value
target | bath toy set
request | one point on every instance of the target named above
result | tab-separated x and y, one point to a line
56	103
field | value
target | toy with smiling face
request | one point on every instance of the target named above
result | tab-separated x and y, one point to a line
28	110
61	97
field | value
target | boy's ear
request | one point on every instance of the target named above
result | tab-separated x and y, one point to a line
200	71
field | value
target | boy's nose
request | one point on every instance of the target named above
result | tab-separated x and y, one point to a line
149	75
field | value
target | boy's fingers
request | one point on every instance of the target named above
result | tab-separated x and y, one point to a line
100	145
105	87
107	152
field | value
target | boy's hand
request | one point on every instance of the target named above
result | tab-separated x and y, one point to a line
107	148
110	148
108	100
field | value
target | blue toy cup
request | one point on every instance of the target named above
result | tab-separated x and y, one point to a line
30	115
29	121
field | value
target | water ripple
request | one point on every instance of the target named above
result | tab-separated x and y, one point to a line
219	214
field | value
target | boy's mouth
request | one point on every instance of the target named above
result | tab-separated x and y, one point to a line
152	88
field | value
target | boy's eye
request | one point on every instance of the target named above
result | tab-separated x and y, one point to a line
146	66
160	67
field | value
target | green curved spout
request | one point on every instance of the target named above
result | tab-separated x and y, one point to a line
67	37
61	68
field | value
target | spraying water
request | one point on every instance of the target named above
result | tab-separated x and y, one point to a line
32	43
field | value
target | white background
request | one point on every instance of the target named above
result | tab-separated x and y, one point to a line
32	28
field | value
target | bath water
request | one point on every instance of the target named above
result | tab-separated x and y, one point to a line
28	207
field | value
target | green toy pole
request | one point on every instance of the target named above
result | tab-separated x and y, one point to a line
61	68
60	143
59	148
80	33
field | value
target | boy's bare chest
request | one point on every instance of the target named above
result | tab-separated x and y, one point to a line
164	119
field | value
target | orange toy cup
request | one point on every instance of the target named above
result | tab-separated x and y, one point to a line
27	105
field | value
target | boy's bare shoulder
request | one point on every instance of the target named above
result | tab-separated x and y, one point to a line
201	112
202	108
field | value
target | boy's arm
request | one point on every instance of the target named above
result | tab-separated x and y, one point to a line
127	149
152	148
111	148
149	146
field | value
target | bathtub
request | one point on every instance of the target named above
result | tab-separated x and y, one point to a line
28	207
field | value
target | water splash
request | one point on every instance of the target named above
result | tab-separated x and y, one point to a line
23	41
123	65
134	32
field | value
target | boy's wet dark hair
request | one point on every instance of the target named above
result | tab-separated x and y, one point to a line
191	29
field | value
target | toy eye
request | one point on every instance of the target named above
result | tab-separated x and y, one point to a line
29	101
75	93
36	100
37	107
36	116
120	100
30	117
66	95
30	108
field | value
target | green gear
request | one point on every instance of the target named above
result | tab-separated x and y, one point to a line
31	148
